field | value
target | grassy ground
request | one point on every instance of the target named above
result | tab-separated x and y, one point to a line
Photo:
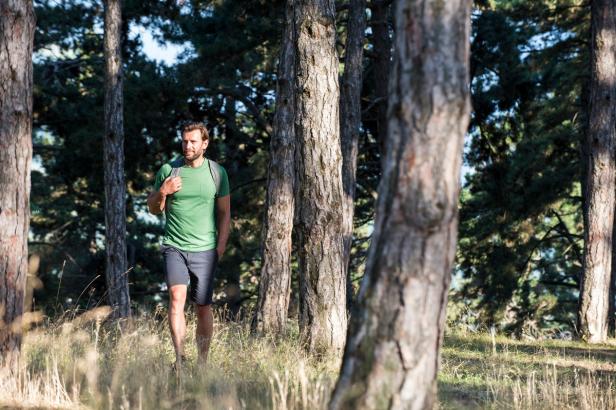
84	364
496	372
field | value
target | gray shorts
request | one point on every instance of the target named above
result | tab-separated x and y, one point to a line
196	268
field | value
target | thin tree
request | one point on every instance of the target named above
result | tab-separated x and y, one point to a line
601	174
16	38
392	352
381	41
323	316
113	145
350	120
275	284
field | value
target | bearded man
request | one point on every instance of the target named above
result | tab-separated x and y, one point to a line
193	191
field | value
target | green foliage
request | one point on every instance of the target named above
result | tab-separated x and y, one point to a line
520	241
226	77
521	229
227	81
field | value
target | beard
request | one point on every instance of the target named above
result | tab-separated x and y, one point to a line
194	156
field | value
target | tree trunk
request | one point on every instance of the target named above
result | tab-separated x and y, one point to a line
392	353
275	285
595	284
350	122
115	190
379	22
323	317
16	38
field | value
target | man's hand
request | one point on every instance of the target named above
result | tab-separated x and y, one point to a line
220	251
171	185
157	199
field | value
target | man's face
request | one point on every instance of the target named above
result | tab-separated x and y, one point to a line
193	146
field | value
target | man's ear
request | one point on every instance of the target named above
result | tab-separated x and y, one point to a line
205	144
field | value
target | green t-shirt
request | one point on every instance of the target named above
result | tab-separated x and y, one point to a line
191	212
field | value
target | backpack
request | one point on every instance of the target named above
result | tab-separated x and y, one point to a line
214	172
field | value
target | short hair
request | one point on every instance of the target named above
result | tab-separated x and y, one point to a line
191	126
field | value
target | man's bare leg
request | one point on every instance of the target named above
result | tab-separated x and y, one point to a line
177	320
205	329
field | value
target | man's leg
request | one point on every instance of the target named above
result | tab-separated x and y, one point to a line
205	329
177	320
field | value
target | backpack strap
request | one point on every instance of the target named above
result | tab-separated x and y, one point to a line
215	172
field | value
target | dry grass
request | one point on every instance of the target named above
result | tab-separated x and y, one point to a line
479	371
83	363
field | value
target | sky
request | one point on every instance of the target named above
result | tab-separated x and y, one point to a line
167	53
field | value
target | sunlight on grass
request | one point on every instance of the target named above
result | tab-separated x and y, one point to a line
85	363
73	364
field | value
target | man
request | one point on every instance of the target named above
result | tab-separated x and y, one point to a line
197	206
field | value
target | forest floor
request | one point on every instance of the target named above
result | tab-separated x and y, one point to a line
480	371
83	363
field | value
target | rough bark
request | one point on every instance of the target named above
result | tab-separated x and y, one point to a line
16	37
350	122
275	285
596	278
113	145
323	317
379	22
392	353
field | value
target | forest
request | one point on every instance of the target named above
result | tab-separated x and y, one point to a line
422	198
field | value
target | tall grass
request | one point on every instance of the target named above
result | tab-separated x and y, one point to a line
74	364
84	362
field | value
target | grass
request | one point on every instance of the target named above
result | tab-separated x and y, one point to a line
480	371
84	363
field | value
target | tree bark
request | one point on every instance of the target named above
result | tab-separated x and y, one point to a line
275	285
379	22
17	24
596	278
113	145
350	122
392	353
323	317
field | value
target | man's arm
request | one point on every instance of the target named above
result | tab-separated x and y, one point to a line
156	202
223	222
157	199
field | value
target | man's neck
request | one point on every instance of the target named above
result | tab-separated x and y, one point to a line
196	163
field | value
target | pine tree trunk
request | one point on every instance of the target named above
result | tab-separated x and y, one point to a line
392	353
379	23
595	284
17	24
275	286
113	146
323	317
350	122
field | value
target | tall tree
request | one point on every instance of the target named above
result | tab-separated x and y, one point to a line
381	40
601	177
323	316
275	284
392	352
350	120
113	146
16	38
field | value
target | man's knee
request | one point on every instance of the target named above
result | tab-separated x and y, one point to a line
177	296
204	310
